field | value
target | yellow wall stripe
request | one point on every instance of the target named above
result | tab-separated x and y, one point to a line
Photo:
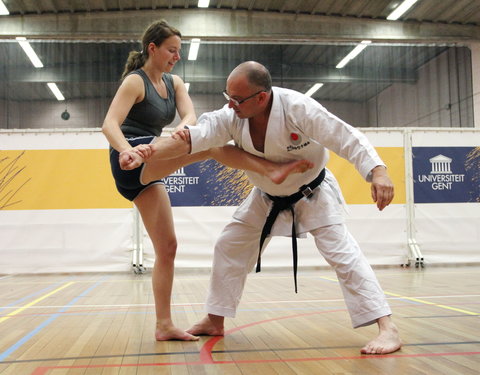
356	190
57	179
81	179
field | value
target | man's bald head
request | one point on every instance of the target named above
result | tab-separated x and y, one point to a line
255	73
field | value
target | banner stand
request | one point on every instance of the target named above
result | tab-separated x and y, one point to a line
137	252
414	254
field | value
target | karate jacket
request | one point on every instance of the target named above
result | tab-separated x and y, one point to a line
298	128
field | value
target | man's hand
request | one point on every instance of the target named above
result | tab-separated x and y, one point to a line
181	133
382	187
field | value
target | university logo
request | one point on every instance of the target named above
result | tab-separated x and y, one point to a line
179	172
178	181
441	176
445	174
206	183
440	164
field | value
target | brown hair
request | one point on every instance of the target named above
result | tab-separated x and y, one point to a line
156	33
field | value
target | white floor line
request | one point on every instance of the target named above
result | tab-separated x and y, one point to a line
244	302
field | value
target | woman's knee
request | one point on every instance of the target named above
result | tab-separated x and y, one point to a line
167	250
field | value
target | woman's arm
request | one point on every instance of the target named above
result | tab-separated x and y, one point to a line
184	103
131	91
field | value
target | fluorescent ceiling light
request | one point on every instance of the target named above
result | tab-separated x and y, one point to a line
52	86
194	46
30	52
203	3
354	53
187	86
3	9
402	8
314	89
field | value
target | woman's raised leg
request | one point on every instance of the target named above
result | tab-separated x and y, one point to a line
230	156
237	158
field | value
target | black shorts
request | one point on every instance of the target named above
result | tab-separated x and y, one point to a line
129	182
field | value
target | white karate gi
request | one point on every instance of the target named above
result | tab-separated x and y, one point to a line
298	128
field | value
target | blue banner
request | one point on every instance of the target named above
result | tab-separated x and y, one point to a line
446	174
207	183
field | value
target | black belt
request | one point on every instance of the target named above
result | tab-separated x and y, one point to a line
284	203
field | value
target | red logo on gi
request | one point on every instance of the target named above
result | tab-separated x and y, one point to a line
296	139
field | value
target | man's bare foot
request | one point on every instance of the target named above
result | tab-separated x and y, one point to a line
173	333
387	341
279	173
210	325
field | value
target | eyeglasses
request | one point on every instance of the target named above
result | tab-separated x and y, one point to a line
236	102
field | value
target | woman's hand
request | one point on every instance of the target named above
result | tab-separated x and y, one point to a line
130	159
143	150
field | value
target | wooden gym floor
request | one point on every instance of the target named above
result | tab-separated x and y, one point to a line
103	324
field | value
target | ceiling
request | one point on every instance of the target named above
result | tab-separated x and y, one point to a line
299	40
464	12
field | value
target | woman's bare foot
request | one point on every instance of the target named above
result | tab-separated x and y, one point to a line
210	325
280	172
173	333
387	341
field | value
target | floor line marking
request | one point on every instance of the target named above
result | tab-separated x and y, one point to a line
206	349
230	351
418	300
42	325
13	305
392	297
15	312
128	311
44	370
432	304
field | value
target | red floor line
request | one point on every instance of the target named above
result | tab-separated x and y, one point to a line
206	350
207	358
44	370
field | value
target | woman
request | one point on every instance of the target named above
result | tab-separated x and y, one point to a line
145	102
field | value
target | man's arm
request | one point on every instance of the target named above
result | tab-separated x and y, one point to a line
163	148
382	187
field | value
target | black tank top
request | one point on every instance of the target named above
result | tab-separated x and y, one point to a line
153	113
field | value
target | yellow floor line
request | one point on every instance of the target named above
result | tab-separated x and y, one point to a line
417	300
35	301
431	303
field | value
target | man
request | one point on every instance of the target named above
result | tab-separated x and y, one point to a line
280	125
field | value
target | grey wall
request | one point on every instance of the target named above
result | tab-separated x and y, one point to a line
426	103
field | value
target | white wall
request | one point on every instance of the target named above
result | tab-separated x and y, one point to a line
475	48
430	100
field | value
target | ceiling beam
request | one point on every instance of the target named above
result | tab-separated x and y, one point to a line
238	25
202	72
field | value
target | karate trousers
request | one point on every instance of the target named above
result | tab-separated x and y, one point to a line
236	253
